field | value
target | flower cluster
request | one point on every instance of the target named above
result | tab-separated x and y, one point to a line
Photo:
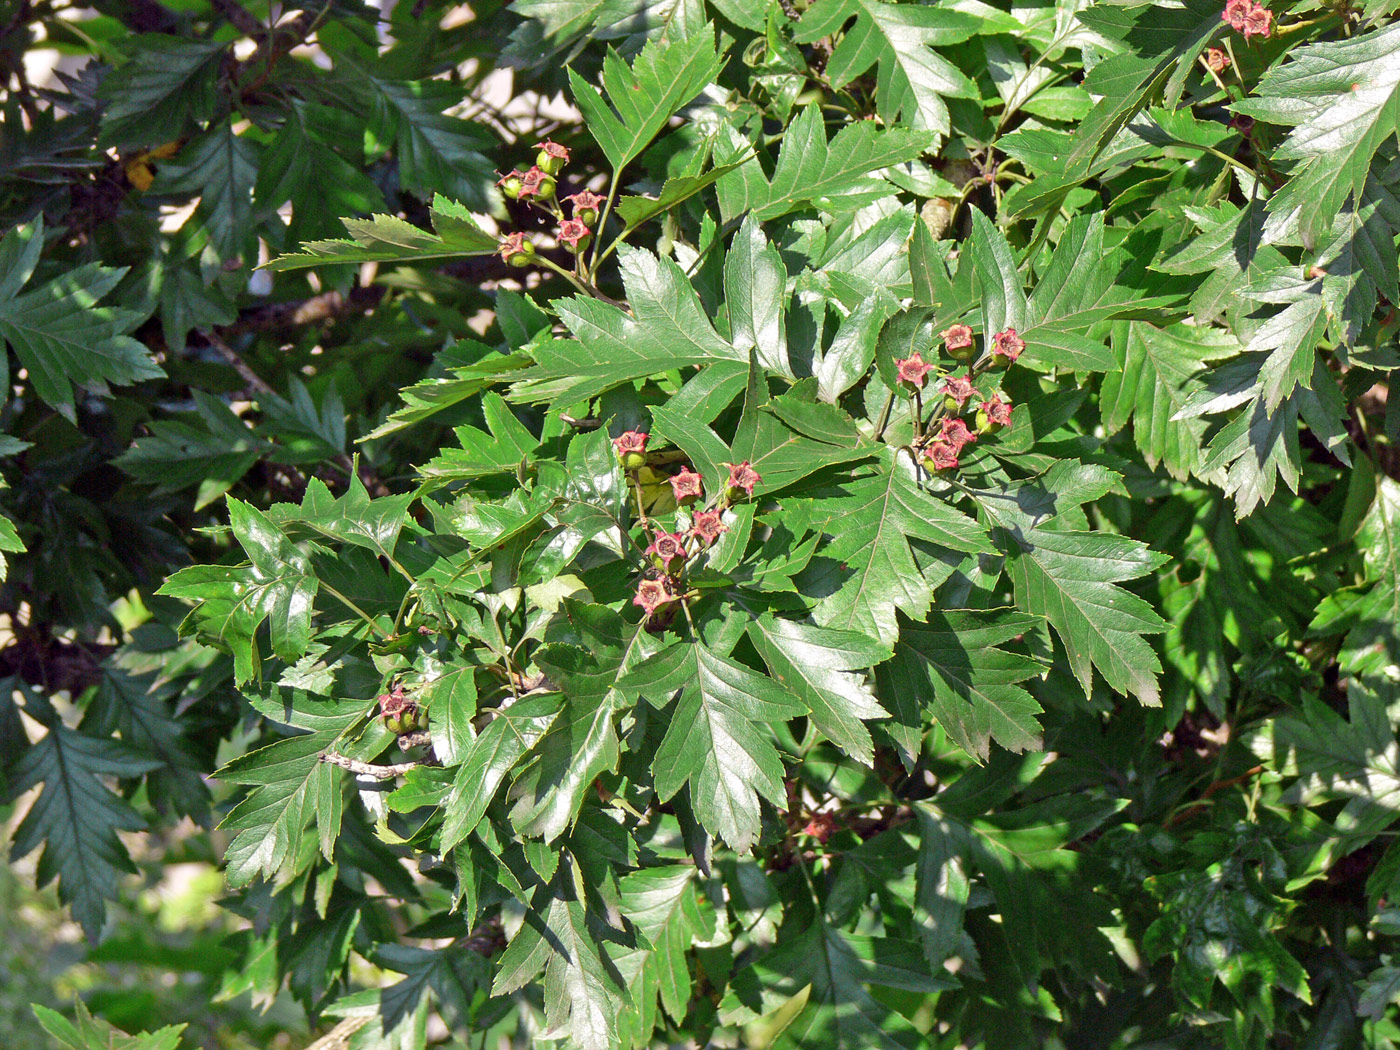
942	447
537	186
662	584
1248	18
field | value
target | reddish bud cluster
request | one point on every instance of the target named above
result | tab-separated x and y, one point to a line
1248	18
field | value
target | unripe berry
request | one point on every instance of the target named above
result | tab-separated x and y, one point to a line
547	186
633	460
511	188
551	157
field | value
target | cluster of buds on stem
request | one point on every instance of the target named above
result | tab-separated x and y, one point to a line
942	447
537	186
662	587
1248	18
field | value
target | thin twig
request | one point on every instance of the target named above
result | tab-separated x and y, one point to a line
368	769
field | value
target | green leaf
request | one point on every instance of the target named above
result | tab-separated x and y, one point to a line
86	1032
9	543
76	818
813	172
353	519
278	587
292	790
636	210
911	79
1342	99
1071	579
500	452
430	396
1372	645
665	907
667	329
168	83
664	76
957	669
755	288
716	739
496	750
871	519
221	168
817	665
212	451
437	153
942	887
584	996
838	967
1162	44
387	238
57	329
142	712
1158	369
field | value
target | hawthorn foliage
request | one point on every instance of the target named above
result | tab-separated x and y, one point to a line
845	524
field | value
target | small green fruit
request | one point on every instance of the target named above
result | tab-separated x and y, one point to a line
633	460
547	164
547	187
511	188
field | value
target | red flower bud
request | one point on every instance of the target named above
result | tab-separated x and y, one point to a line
912	370
707	526
653	594
1006	347
957	340
687	486
956	391
574	235
942	457
742	479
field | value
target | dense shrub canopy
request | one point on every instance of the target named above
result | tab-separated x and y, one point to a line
707	522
